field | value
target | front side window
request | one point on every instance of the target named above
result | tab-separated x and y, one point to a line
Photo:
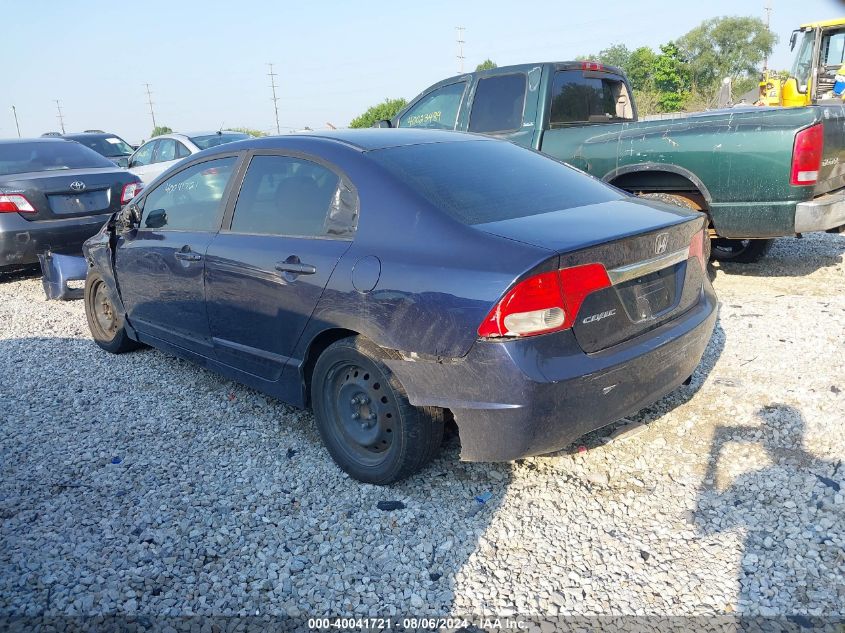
498	104
282	195
438	109
144	155
803	59
166	150
588	97
191	199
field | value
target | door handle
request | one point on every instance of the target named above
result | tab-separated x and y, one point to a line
188	256
297	267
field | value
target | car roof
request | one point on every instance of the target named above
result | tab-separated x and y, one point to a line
40	139
74	134
364	140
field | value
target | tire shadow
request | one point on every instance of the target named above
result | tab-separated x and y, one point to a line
793	257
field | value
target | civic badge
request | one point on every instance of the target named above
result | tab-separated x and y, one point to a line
660	243
77	185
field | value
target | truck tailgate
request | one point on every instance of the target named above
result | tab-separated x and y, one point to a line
832	172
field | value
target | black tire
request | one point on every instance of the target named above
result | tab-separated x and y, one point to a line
105	322
390	439
740	251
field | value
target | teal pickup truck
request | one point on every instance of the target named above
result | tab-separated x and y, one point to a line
758	173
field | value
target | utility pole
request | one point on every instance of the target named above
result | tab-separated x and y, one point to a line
768	10
59	116
459	34
272	77
15	113
150	103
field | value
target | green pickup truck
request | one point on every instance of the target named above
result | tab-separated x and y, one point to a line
758	173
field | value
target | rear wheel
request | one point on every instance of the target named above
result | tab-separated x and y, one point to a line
740	251
105	322
365	419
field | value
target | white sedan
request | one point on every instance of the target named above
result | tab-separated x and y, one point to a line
159	153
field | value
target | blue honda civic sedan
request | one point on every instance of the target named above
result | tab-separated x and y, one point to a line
395	279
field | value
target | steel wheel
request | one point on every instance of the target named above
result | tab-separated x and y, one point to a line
105	319
361	411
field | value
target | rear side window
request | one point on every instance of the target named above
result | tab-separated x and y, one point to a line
190	199
166	150
498	104
588	97
181	150
282	195
438	109
476	182
18	158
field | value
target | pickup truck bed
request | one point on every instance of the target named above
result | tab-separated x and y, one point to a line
737	165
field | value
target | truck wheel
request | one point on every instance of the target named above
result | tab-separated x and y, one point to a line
104	320
740	251
368	425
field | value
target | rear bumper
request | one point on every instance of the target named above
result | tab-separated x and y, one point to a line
823	213
21	240
537	395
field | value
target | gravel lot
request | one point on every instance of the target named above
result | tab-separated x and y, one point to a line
142	484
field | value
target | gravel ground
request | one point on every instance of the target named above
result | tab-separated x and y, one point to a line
143	484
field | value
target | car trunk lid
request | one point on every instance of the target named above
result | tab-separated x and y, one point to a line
70	193
645	248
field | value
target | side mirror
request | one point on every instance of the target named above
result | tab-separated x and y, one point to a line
123	161
128	218
792	39
156	219
383	123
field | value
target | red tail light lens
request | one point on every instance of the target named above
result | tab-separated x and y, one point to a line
15	203
544	303
807	155
696	248
130	191
592	66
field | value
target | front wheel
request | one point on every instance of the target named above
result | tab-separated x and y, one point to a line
365	419
104	320
740	251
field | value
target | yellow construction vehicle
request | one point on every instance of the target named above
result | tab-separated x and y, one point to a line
819	55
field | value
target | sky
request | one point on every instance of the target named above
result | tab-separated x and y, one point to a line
206	61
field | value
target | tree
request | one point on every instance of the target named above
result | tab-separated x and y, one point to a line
725	47
640	68
158	130
248	130
487	64
671	78
385	110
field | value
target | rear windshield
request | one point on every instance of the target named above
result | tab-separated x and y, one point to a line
18	158
476	182
110	146
212	140
580	96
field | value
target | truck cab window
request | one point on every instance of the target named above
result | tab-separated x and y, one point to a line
498	104
438	109
589	97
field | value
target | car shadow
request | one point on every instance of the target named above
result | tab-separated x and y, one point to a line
792	547
144	485
20	274
793	257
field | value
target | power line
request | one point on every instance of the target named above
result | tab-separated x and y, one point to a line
272	77
15	113
59	116
459	34
150	103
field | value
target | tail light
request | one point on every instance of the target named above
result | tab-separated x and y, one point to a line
15	203
696	247
592	66
544	303
130	191
807	155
